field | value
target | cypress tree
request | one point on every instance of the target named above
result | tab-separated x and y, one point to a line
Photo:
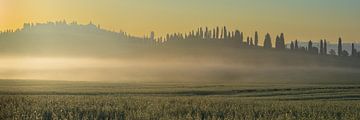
296	45
292	45
310	47
256	39
282	41
214	34
325	47
217	33
353	50
222	33
225	32
340	47
277	42
251	42
247	41
321	47
267	41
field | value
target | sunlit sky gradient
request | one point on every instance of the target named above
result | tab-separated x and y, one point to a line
299	19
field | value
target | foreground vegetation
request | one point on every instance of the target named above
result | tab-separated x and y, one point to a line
83	100
184	107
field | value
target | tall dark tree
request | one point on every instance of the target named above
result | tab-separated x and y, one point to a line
229	35
277	42
241	38
247	41
201	33
206	34
225	33
312	49
256	39
296	45
353	50
217	33
325	48
251	42
267	41
292	46
321	47
214	34
310	46
282	41
340	51
222	33
237	36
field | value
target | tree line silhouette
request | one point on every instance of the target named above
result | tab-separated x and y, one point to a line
215	34
223	34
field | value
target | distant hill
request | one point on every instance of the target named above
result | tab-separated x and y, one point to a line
65	39
178	59
72	39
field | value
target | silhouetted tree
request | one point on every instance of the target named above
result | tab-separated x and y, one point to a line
267	41
201	33
311	49
214	34
292	45
217	32
340	47
353	50
225	32
247	41
256	39
228	35
251	42
241	38
277	42
325	47
222	33
206	34
296	45
321	47
280	42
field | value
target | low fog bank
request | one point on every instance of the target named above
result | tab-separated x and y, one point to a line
88	53
180	66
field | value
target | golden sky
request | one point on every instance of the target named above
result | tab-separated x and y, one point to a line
301	19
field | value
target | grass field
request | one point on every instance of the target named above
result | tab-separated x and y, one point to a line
21	99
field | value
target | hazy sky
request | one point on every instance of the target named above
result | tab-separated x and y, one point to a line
299	19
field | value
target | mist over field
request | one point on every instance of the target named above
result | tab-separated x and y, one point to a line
88	53
179	60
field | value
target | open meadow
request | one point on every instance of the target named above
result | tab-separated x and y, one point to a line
31	99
